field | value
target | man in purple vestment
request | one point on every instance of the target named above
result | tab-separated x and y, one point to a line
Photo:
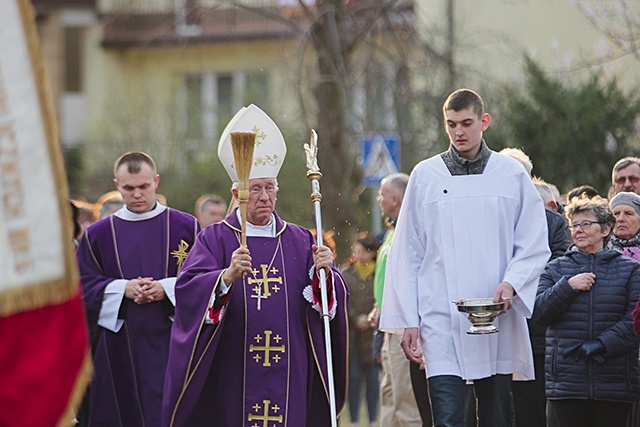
247	346
128	264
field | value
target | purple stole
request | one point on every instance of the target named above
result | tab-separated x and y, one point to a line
262	364
127	388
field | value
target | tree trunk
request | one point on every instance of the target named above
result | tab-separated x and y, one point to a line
336	156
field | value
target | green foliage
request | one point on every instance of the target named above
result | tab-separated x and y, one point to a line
202	174
573	133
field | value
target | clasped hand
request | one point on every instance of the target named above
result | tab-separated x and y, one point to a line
144	290
587	350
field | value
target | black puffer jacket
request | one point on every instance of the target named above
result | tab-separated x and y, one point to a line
603	313
558	243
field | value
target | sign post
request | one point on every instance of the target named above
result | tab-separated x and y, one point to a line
380	155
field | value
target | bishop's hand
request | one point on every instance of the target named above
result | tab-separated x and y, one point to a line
322	257
239	266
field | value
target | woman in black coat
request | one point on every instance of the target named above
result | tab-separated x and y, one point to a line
586	299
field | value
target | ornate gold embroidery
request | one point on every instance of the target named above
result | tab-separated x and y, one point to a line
181	253
265	417
267	348
266	160
261	289
260	135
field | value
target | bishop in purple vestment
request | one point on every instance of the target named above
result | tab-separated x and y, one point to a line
247	346
128	264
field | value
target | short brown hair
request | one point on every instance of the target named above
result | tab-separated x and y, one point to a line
133	160
462	99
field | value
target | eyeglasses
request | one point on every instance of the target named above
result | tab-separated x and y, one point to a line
258	190
632	179
584	225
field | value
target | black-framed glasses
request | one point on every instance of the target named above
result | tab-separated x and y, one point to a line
585	225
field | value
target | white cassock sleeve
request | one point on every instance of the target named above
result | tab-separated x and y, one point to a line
113	295
530	249
169	286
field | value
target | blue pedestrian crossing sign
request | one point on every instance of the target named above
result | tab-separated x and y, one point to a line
380	157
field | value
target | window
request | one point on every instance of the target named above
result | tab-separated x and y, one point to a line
73	59
211	100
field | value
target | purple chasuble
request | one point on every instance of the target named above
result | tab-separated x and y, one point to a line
264	363
126	389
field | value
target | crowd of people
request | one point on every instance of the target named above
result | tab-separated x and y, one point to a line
190	327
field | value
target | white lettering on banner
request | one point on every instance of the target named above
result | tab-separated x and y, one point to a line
11	190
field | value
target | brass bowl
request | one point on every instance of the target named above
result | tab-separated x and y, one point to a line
482	312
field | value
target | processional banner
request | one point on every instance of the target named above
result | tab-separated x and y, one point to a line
44	355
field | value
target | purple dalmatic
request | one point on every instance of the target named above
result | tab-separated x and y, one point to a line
264	363
131	341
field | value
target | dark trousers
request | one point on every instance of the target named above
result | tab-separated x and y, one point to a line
368	374
586	413
448	394
470	407
634	414
421	393
530	402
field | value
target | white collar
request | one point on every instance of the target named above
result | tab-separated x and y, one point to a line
268	230
127	215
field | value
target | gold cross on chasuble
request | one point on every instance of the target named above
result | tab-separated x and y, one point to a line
181	253
265	417
267	348
262	289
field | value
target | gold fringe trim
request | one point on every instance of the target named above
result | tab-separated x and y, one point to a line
77	393
39	295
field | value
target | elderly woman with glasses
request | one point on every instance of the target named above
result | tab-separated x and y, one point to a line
586	299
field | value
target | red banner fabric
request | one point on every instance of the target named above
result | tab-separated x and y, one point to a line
43	373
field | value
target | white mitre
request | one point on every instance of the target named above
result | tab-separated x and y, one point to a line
270	148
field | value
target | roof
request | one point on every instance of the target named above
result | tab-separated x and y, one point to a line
201	26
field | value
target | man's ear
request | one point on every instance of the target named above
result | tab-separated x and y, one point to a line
486	121
552	205
156	180
116	183
234	191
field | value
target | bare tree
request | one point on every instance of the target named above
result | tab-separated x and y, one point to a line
353	40
618	20
365	56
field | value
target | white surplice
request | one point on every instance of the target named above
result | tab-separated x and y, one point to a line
458	237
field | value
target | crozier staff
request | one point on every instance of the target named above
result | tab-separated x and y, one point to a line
254	313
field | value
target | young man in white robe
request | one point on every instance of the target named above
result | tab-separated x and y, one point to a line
472	225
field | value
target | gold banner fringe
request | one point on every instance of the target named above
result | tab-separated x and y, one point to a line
80	387
36	296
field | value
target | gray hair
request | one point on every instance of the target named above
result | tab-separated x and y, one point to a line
234	186
597	205
623	163
545	191
520	156
398	181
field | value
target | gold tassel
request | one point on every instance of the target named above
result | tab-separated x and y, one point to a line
243	144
